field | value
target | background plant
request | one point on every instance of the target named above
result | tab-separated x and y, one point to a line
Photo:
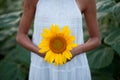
104	61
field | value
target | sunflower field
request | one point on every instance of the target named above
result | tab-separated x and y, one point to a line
104	60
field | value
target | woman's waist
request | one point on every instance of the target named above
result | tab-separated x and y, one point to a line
78	61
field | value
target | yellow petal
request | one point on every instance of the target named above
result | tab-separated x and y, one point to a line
74	45
46	30
42	50
47	55
67	55
71	46
46	33
52	28
72	38
66	31
57	29
56	60
43	43
61	59
64	59
52	57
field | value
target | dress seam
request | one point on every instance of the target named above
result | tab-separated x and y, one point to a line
32	65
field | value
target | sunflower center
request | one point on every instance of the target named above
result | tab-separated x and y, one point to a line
58	44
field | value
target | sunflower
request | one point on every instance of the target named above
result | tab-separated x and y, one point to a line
57	44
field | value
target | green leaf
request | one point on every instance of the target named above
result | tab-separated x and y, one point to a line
4	34
11	71
112	38
20	54
100	57
102	76
8	45
116	46
17	61
116	10
105	5
9	20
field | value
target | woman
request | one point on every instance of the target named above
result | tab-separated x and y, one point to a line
62	12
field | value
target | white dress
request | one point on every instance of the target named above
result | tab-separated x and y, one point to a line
62	12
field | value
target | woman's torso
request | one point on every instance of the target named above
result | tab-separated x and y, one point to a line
62	12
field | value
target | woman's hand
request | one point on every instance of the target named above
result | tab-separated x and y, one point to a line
73	54
42	55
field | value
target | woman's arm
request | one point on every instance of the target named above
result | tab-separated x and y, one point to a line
29	7
92	26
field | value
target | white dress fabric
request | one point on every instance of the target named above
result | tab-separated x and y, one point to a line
61	12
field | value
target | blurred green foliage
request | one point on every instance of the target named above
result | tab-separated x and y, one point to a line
104	61
14	60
